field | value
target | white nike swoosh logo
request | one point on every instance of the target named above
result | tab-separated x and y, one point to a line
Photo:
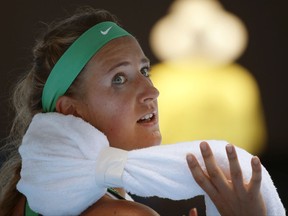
106	31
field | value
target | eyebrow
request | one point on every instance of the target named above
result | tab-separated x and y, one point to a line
125	63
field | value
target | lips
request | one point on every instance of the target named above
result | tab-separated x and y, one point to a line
150	117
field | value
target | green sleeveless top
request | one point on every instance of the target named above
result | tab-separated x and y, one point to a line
29	211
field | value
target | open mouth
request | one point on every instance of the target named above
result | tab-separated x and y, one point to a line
147	118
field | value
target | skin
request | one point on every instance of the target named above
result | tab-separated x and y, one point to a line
117	94
231	197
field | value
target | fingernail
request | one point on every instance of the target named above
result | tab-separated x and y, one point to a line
203	146
255	160
229	148
189	158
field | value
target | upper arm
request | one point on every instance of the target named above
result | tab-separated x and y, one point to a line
119	208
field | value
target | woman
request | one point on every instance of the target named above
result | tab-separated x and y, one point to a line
114	94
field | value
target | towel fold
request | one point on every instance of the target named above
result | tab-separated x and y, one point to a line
67	165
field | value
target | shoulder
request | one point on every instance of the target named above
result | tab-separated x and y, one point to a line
107	206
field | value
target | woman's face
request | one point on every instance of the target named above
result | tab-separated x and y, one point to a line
119	98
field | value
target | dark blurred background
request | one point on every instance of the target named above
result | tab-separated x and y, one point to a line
265	56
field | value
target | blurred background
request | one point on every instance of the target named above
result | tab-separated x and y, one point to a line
220	66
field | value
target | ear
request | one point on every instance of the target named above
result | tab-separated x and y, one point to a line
66	105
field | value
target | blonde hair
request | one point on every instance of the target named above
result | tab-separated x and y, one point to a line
28	91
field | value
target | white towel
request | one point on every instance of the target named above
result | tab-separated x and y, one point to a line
67	165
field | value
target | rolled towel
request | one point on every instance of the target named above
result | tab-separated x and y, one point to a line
67	165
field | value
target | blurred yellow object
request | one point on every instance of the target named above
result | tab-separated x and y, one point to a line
199	100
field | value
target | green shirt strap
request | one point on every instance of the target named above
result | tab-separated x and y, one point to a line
29	211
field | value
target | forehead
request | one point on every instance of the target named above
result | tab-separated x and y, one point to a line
121	47
124	49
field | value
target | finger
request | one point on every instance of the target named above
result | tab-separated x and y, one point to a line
235	169
255	181
193	212
215	173
200	177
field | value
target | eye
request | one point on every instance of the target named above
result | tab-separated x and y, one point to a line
145	71
119	79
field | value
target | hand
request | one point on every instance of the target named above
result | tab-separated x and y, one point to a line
231	197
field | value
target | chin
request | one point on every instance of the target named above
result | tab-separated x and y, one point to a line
157	139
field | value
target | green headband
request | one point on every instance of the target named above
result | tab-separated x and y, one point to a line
75	58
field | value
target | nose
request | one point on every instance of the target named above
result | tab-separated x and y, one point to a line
148	92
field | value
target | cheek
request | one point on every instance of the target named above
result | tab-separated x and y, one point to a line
120	119
120	128
118	132
113	118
